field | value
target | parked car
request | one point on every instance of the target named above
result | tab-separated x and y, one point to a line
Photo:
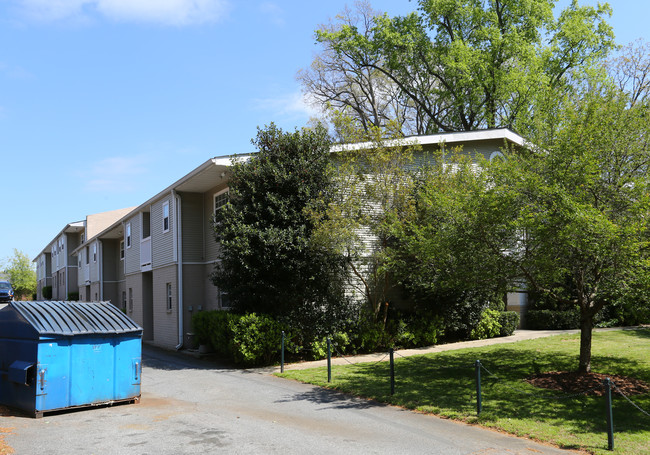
6	291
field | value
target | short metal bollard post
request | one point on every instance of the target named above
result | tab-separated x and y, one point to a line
329	360
479	404
392	371
282	354
610	417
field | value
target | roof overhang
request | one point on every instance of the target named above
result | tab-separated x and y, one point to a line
500	134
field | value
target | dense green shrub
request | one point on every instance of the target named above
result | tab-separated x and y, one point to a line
255	339
47	292
488	326
340	342
553	319
509	321
73	296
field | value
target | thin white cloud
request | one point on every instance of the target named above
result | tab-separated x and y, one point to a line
14	72
165	12
115	175
290	105
273	13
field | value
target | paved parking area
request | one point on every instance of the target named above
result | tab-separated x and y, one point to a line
193	406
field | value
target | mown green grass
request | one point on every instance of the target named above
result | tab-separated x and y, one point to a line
444	384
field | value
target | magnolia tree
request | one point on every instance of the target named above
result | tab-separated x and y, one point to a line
270	262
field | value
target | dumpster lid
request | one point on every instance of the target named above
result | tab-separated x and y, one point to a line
75	318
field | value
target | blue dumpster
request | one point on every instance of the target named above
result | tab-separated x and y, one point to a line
60	355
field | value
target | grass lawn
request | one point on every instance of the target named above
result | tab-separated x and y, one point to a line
444	384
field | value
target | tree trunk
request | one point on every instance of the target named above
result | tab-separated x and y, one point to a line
586	327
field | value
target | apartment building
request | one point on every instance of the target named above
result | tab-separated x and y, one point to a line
154	261
56	266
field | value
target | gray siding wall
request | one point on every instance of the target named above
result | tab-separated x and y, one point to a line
210	292
132	254
192	226
94	262
211	246
162	243
165	322
135	282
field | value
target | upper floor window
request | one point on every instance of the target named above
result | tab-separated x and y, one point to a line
87	255
94	252
121	249
220	199
165	220
127	235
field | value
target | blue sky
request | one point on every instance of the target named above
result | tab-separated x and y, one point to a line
104	103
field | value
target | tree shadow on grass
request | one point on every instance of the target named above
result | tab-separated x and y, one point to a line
637	332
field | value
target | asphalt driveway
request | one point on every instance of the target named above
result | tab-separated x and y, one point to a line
192	406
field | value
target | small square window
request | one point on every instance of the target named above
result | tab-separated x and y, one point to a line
224	300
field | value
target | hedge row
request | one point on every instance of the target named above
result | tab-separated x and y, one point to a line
254	339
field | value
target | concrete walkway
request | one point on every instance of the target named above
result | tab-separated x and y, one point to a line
518	335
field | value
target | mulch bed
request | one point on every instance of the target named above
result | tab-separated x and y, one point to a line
573	382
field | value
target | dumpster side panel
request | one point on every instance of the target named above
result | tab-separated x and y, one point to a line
53	374
12	393
128	367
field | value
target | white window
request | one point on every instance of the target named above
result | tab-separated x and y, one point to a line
165	219
87	255
94	252
220	199
169	296
224	301
121	250
127	235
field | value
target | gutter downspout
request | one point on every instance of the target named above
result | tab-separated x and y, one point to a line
179	261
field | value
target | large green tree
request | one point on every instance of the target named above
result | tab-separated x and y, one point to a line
21	273
269	261
456	64
568	216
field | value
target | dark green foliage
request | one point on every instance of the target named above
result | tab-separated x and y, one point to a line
509	321
255	339
73	296
47	292
489	326
269	263
250	339
553	319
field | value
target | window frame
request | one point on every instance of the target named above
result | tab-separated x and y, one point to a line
169	297
216	196
165	217
127	235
